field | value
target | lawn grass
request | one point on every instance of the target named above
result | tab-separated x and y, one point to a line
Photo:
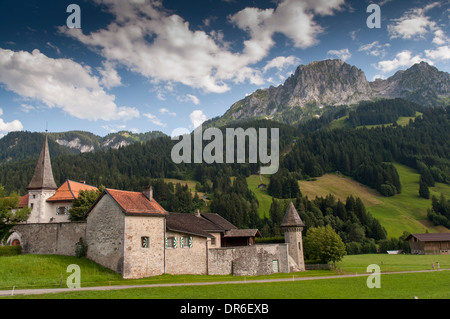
393	286
50	271
392	263
37	271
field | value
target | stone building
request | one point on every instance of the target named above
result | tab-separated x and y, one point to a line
130	233
49	203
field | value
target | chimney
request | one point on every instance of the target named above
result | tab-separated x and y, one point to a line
197	213
148	192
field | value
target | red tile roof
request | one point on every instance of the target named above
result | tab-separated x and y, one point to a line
70	191
23	201
135	202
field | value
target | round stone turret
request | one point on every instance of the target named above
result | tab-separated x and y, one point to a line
292	226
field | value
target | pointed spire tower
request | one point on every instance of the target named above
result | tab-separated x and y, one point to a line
43	175
41	187
292	226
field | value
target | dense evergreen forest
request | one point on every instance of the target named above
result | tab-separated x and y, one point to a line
439	213
307	151
382	112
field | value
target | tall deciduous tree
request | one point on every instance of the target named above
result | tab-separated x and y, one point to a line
82	204
324	244
10	213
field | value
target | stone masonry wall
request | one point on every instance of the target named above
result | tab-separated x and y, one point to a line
186	260
50	238
104	234
141	261
248	260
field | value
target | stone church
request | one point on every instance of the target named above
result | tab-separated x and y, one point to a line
130	233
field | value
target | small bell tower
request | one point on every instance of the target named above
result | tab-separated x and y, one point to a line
292	227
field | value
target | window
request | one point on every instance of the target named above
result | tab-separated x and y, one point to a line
213	241
62	210
145	242
185	242
171	242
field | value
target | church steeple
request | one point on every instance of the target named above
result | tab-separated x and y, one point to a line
43	175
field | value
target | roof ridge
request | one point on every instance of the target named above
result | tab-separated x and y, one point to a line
70	189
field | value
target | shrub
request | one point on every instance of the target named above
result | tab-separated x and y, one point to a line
10	250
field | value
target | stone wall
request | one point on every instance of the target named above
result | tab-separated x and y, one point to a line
249	260
104	234
144	261
186	260
50	238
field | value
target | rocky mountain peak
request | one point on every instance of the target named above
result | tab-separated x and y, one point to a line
333	83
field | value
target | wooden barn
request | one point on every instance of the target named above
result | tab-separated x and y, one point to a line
429	244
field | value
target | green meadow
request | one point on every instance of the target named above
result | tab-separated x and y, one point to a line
403	212
45	271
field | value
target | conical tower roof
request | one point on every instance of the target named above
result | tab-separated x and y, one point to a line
291	218
43	175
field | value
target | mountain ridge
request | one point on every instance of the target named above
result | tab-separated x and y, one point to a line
23	145
326	83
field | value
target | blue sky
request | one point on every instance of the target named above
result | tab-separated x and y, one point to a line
148	65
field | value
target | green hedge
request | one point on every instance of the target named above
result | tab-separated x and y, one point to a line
10	250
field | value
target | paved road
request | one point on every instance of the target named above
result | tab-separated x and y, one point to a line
4	293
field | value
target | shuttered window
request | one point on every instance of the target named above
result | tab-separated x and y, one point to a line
145	242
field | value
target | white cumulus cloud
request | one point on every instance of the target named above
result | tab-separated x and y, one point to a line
402	59
163	47
280	63
155	120
441	53
343	54
413	23
189	98
197	118
60	83
15	125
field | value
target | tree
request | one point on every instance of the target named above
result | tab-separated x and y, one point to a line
82	204
424	191
324	244
10	214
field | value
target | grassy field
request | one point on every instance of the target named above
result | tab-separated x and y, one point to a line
264	199
401	121
433	285
423	285
404	212
408	211
50	271
341	187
